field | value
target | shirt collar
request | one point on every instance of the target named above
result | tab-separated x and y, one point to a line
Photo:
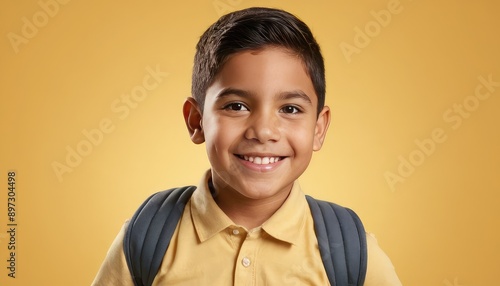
284	224
289	220
208	218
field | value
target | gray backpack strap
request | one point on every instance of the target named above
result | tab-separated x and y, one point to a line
156	218
342	242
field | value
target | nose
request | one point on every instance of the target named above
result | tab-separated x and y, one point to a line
263	127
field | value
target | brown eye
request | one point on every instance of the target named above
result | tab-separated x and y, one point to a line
290	109
236	106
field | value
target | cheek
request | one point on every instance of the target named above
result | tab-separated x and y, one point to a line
302	131
301	139
219	136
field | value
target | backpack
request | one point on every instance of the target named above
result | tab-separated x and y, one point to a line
339	231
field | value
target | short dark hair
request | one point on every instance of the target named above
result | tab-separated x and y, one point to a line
253	29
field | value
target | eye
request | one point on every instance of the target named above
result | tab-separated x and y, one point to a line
235	106
290	109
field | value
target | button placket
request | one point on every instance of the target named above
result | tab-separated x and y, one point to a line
245	266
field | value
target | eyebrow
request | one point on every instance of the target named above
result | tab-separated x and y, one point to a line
233	91
285	95
294	94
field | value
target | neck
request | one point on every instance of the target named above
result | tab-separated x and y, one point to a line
247	212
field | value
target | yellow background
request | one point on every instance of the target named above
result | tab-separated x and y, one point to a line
439	226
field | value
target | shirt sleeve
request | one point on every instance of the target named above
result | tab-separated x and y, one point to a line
380	271
114	269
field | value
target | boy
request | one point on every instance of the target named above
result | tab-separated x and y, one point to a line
257	103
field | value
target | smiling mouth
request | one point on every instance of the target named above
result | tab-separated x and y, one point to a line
261	160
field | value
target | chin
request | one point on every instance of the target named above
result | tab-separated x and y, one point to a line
264	191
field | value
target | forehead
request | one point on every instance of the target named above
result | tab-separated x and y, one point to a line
266	72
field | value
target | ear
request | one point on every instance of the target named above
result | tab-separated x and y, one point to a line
321	127
193	117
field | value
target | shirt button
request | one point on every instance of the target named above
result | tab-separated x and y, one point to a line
236	232
245	261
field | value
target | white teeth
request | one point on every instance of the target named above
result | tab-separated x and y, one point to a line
261	160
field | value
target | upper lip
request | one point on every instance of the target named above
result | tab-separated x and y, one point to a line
259	155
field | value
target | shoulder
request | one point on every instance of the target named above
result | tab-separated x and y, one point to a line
114	269
380	269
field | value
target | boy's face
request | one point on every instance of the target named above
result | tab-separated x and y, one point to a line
259	123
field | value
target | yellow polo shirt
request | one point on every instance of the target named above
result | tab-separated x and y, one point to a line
207	248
